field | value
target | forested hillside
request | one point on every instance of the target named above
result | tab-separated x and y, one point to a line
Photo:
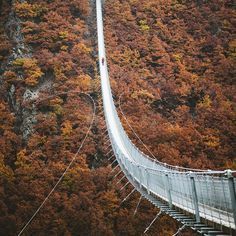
173	63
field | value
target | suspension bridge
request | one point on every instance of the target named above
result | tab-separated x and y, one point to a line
204	200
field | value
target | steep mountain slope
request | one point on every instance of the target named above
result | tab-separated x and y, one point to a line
174	61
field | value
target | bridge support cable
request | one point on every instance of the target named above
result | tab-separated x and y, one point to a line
107	146
113	155
137	206
67	168
133	190
114	168
119	181
104	132
124	186
119	172
108	152
158	214
104	127
107	141
113	162
179	230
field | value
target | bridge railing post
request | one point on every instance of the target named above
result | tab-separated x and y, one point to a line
232	193
132	170
140	176
168	189
147	180
195	198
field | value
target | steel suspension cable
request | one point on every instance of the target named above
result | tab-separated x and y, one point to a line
136	135
65	171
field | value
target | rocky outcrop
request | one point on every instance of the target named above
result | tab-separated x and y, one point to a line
25	116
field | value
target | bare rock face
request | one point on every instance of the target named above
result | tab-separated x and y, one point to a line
28	115
14	32
25	116
29	95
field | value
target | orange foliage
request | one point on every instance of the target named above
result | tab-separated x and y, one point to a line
176	76
31	70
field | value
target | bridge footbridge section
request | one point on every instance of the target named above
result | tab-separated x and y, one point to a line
205	196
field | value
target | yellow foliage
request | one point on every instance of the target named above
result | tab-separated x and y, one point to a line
31	69
66	128
194	77
177	57
85	82
231	164
148	5
75	172
206	102
58	72
143	94
63	34
226	24
18	62
55	101
212	141
232	48
143	25
81	47
21	158
28	27
129	56
58	109
64	48
56	104
27	10
174	129
232	45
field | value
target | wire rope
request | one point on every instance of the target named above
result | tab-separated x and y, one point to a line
65	171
